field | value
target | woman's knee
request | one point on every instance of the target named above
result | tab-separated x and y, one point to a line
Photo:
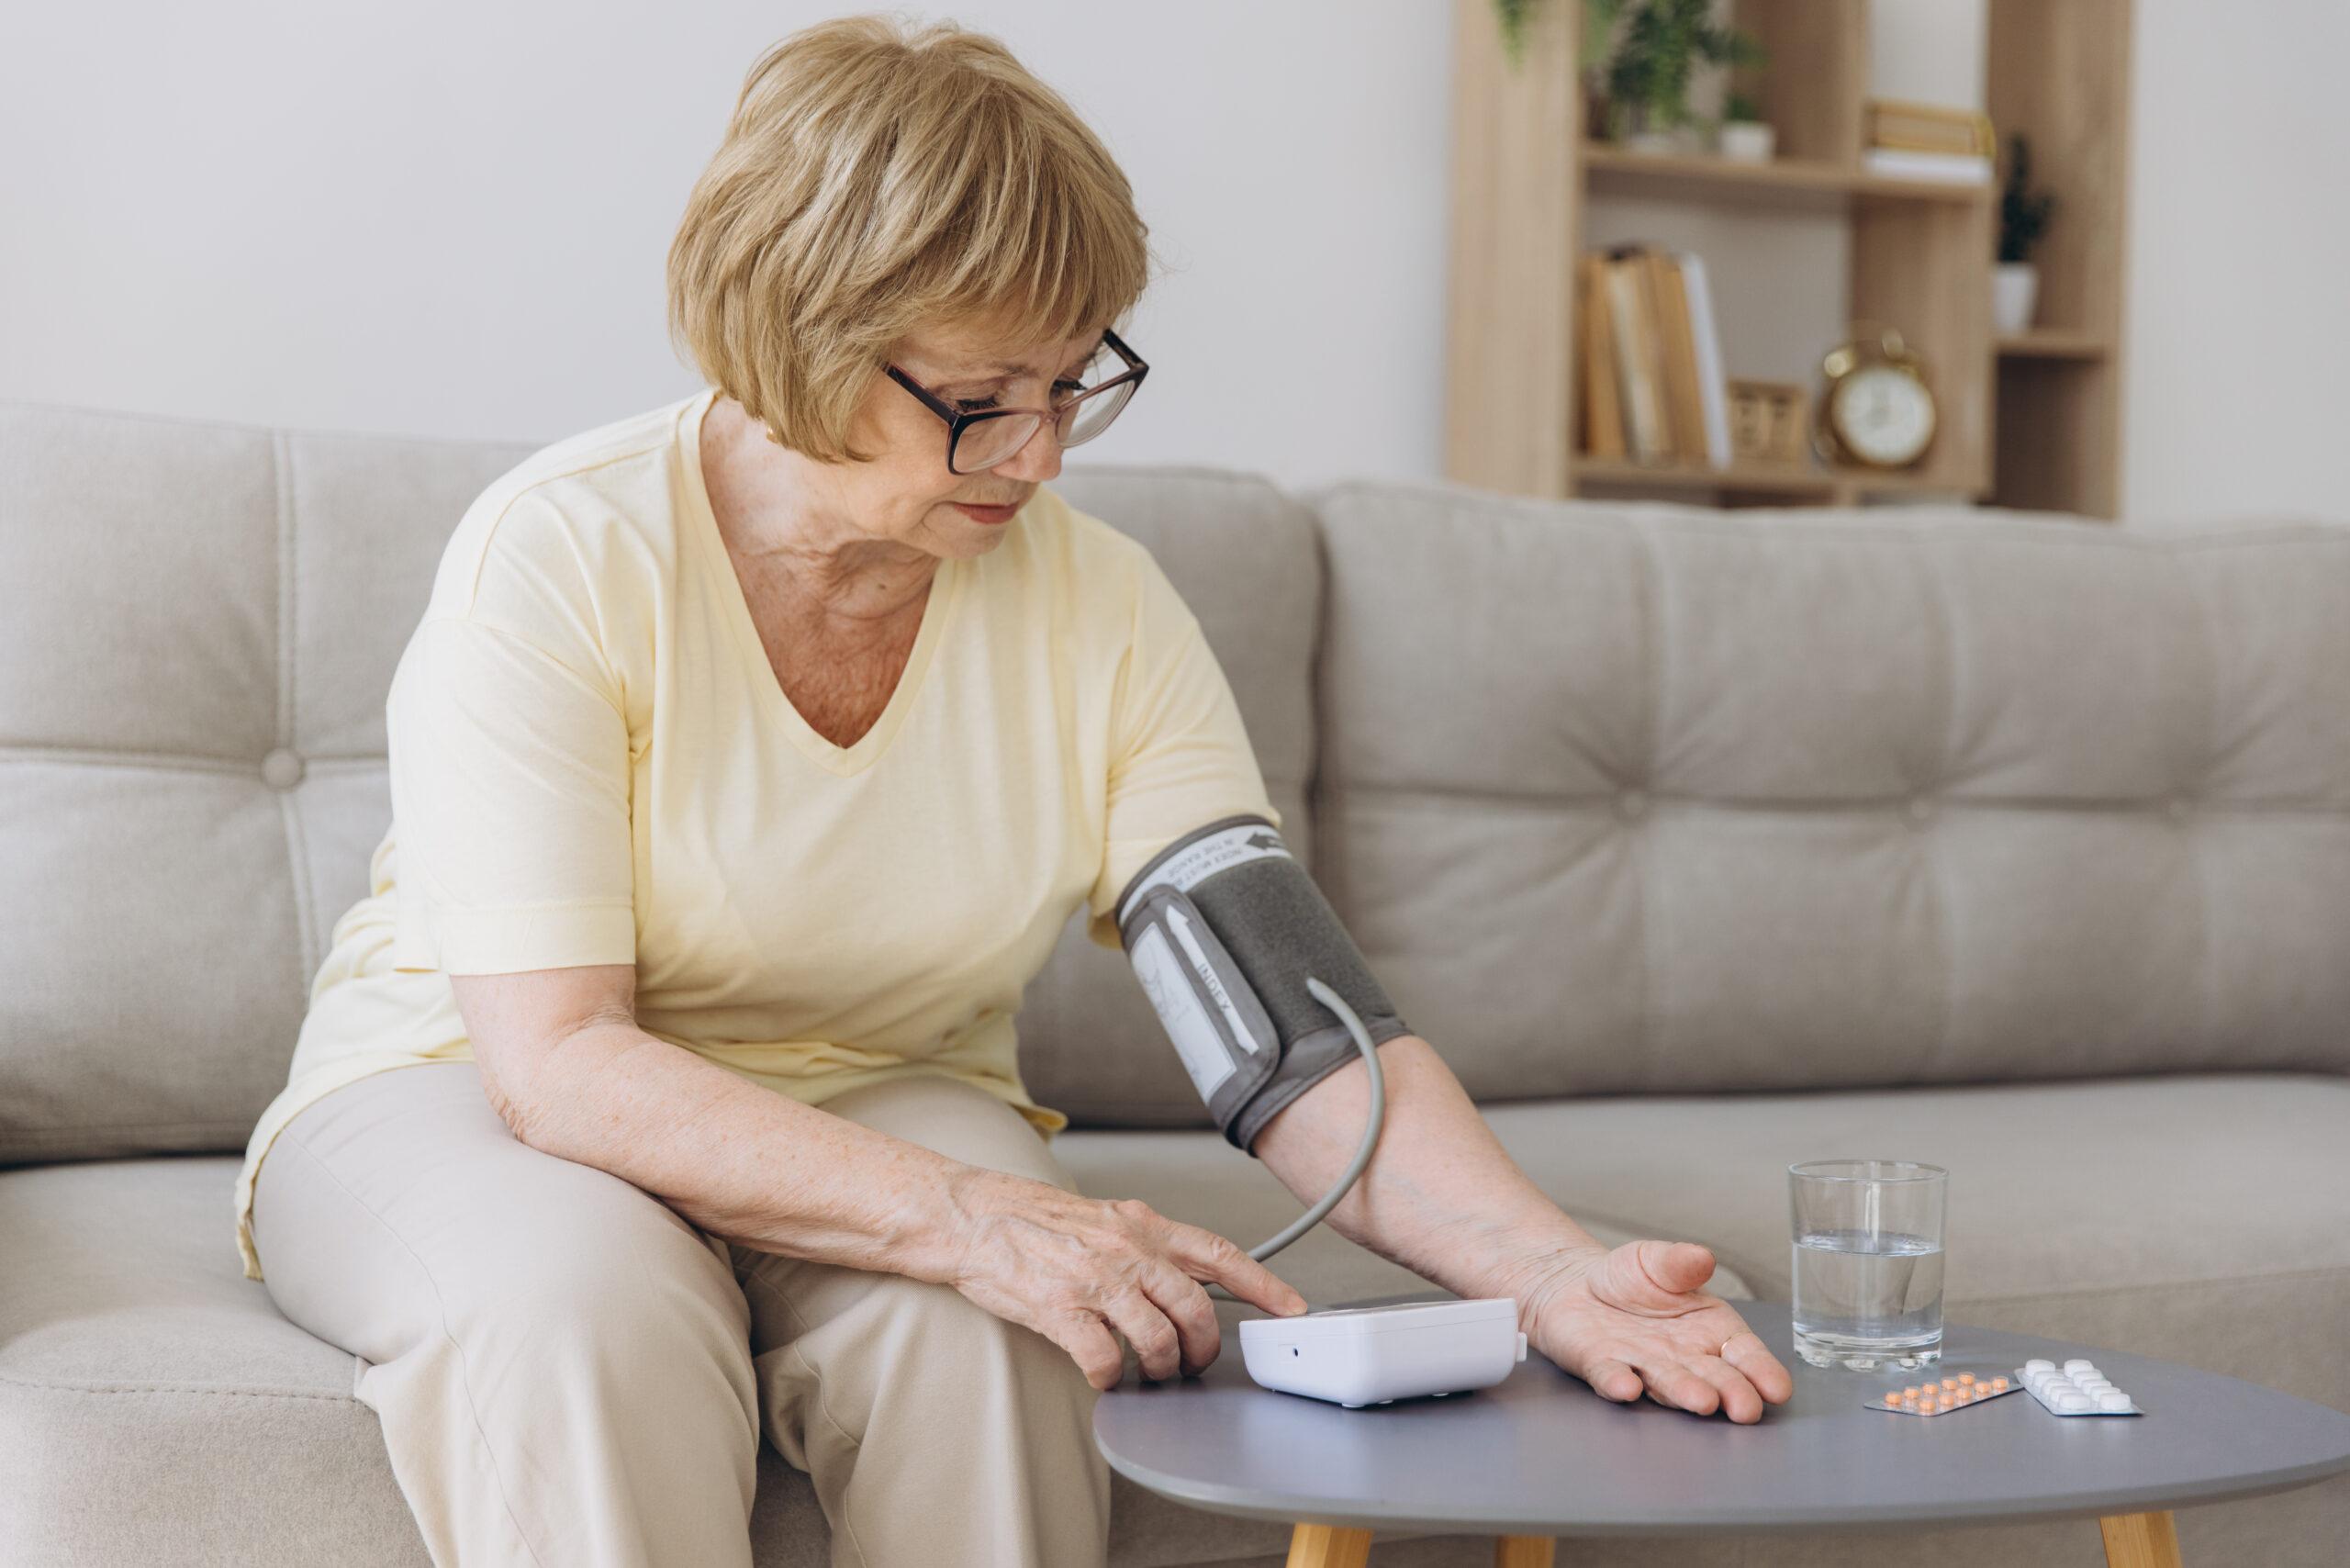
503	1252
916	1347
610	1285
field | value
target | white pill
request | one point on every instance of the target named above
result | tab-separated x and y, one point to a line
2072	1404
2057	1387
2095	1384
2038	1365
2112	1399
2077	1365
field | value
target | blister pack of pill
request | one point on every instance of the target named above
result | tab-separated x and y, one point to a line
2076	1388
1940	1396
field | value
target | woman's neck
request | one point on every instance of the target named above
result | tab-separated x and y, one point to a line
790	543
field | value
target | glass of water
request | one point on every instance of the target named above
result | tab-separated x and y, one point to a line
1868	1262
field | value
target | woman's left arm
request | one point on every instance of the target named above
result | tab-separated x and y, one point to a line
1444	1199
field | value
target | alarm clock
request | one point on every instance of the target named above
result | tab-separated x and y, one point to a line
1877	409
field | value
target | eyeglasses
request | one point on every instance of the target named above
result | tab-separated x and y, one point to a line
981	438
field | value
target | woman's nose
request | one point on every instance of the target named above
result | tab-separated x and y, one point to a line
1038	459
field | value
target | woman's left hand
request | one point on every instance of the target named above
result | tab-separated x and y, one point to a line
1634	1320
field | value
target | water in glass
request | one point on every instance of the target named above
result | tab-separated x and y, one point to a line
1863	1298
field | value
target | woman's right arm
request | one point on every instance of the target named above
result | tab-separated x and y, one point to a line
564	1064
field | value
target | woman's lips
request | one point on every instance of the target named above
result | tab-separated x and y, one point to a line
987	514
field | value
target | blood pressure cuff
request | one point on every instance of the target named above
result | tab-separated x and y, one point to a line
1223	928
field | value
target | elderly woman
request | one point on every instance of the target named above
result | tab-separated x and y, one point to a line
748	758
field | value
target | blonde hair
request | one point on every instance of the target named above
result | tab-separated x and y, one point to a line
873	180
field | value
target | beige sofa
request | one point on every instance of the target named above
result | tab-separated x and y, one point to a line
1698	843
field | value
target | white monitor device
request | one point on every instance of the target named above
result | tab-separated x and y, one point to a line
1371	1355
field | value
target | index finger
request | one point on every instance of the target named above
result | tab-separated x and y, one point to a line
1207	1256
1749	1354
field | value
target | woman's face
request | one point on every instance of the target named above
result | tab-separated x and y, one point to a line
907	494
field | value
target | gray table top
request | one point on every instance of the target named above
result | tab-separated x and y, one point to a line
1540	1454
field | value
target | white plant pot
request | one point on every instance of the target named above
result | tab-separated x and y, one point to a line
1748	141
2014	289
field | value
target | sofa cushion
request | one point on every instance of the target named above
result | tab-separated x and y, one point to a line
1648	798
181	603
2198	1218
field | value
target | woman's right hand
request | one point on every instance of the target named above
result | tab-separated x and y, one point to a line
1073	1268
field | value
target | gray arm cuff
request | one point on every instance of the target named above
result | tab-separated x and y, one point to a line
1306	1064
1224	927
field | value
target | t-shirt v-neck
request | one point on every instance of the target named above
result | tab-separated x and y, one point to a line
709	544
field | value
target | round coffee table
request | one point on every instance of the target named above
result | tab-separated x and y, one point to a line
1541	1456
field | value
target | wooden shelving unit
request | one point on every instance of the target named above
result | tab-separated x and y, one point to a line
1613	171
2030	420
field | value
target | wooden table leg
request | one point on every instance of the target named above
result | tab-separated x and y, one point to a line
1328	1546
2140	1541
1338	1546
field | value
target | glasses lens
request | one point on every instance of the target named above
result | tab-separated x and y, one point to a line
1092	415
990	442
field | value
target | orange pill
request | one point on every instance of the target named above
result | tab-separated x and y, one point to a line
1998	1383
1966	1377
1949	1383
1913	1391
1929	1407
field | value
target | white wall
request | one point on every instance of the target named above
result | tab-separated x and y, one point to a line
2238	393
449	219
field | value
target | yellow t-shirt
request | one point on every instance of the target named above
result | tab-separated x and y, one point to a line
592	763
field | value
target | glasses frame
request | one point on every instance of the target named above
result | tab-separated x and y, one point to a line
959	420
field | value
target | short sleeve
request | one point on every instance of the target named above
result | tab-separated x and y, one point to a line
510	775
1179	754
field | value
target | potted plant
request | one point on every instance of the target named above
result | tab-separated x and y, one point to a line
1744	137
2023	218
1640	55
1636	75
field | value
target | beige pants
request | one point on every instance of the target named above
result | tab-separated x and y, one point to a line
570	1375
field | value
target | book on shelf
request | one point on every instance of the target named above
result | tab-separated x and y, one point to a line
1640	364
1677	346
1602	411
1712	384
1651	366
1899	124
